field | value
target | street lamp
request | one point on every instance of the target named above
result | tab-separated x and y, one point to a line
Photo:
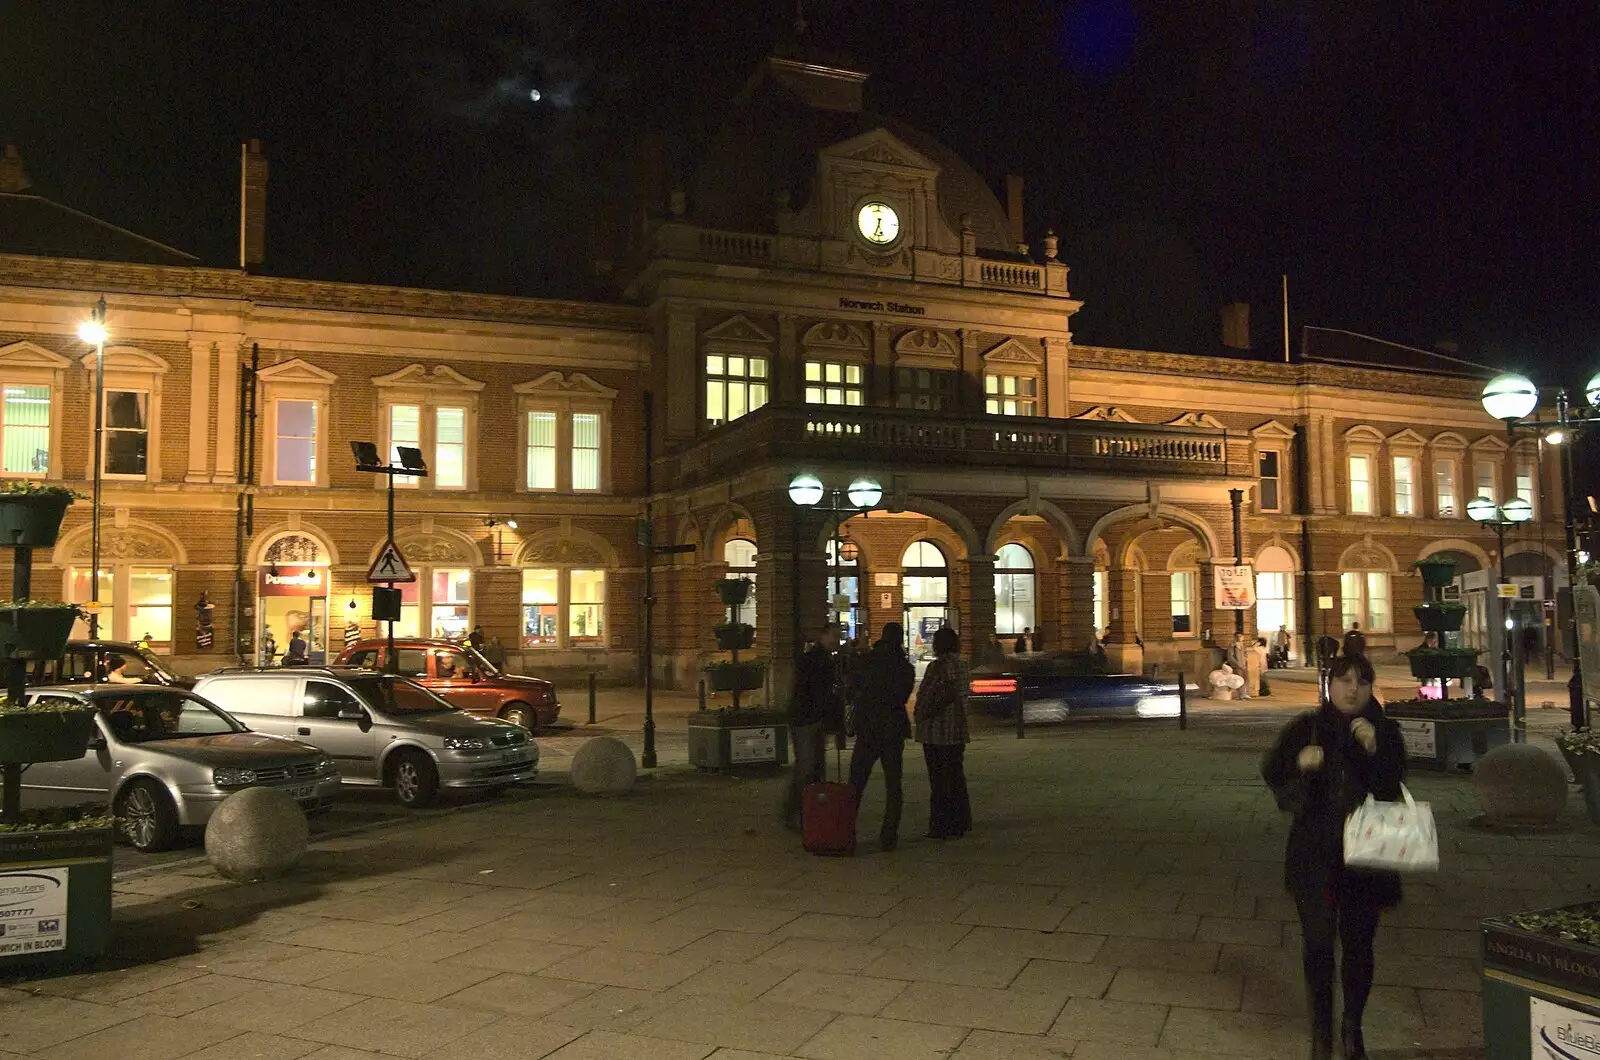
1501	517
1512	398
93	331
412	465
807	491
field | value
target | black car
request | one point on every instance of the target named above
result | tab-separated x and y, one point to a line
83	658
1056	686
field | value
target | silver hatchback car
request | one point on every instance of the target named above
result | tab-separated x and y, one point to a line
380	729
165	759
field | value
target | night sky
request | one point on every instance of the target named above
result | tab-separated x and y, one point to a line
1422	171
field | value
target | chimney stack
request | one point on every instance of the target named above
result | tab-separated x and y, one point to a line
1236	325
252	205
1014	211
13	178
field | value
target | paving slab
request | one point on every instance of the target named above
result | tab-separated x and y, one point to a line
870	1038
977	1007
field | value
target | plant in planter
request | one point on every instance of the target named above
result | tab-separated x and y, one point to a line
35	629
1437	571
1581	748
31	512
52	732
735	636
1435	617
1434	663
733	591
735	676
1540	968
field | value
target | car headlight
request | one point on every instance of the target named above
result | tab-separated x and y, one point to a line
463	743
324	765
233	778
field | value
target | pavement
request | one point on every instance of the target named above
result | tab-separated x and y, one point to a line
1119	897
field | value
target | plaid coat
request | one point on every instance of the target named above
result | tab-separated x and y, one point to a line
942	702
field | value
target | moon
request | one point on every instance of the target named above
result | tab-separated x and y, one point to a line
535	95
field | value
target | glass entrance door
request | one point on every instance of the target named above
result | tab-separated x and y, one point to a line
317	631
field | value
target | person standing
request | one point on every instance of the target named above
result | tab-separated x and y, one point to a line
1255	676
475	639
1238	660
816	709
269	647
1021	646
1323	766
295	653
941	728
1281	643
881	726
1355	641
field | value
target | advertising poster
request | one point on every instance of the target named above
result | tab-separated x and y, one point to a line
1235	587
1561	1033
33	911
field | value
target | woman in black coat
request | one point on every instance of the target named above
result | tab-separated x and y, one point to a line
1323	766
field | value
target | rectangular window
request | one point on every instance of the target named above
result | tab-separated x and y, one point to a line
1267	496
1485	482
1183	601
1444	489
834	383
1274	602
295	456
451	602
735	386
1361	485
405	428
540	603
586	609
80	593
1404	486
450	448
127	433
1527	486
26	426
1101	608
926	389
1010	395
1351	609
541	450
1364	599
150	606
585	450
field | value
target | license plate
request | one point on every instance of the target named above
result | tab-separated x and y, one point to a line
302	791
513	758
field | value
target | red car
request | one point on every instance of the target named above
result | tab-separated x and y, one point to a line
463	677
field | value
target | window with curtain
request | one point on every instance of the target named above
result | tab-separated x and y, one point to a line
928	389
585	450
541	605
1014	590
127	433
295	455
740	556
449	448
834	383
587	607
1364	598
1405	497
1184	596
1527	486
1268	480
1444	489
150	605
541	450
405	428
1485	482
735	386
450	602
1360	484
1010	395
25	429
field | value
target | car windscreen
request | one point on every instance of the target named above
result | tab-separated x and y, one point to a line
165	715
396	695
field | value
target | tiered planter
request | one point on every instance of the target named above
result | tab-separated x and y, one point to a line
35	631
1541	983
1430	664
1437	572
1440	618
724	739
1450	733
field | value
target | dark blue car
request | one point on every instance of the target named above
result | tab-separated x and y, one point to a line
1056	686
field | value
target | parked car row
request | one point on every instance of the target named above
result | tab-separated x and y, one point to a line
167	750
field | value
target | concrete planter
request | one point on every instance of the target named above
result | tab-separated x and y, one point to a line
1450	733
32	519
55	896
1440	618
36	632
735	677
1538	986
731	739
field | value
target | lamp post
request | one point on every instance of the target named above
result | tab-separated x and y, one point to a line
412	465
93	332
1512	398
807	491
1501	517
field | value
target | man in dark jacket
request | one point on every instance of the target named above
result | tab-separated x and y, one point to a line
816	709
881	725
1355	641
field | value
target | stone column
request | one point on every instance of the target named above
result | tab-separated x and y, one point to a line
228	413
880	374
1077	594
969	399
776	601
1057	392
201	352
1122	647
978	629
1330	468
788	371
683	375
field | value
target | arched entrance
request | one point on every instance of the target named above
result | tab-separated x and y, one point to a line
739	553
136	581
925	581
292	590
1015	591
1275	594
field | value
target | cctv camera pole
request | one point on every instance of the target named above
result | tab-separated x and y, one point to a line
648	759
392	664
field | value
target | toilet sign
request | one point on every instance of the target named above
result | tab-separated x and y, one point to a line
390	566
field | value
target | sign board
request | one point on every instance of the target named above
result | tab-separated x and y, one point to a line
286	580
1506	590
751	745
1549	605
33	911
1419	738
1324	603
390	566
886	600
1558	1032
1586	600
1235	587
890	579
841	602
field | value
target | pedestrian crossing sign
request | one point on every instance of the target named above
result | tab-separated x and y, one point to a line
390	566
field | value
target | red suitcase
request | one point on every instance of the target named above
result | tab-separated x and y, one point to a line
828	817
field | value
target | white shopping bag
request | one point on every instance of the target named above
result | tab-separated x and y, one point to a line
1398	836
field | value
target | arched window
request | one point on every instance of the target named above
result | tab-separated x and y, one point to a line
740	556
1013	590
925	594
842	581
1274	591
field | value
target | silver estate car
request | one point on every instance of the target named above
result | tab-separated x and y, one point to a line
165	759
381	730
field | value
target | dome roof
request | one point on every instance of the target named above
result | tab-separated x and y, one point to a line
766	152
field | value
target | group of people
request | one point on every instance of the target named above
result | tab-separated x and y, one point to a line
866	696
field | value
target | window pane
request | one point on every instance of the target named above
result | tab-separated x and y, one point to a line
297	441
758	395
150	606
78	578
758	368
1350	604
541	450
813	395
833	373
852	374
716	404
586	610
1013	603
585	451
991	384
1378	601
1403	502
1360	486
126	432
450	448
813	371
126	409
1484	479
27	430
736	399
735	366
1444	487
713	364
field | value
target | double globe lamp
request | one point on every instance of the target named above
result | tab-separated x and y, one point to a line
807	491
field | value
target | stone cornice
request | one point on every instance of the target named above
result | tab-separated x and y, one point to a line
1302	374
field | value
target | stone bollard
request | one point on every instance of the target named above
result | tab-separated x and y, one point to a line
603	766
256	834
1520	786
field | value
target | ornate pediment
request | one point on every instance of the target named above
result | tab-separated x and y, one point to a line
1272	430
1406	439
1363	433
1197	419
129	542
882	147
1011	351
575	384
737	329
1367	555
835	335
562	551
295	548
442	376
128	359
434	549
1448	440
297	370
928	344
1109	413
30	355
1490	443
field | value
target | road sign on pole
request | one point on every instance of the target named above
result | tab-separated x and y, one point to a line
390	566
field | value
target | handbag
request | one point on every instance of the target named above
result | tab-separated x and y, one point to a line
1393	836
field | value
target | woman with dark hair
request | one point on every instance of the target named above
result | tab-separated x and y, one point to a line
942	730
1324	765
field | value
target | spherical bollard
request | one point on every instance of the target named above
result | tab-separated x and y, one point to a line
603	766
256	834
1520	785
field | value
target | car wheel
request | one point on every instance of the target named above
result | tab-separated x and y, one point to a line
416	781
146	817
518	714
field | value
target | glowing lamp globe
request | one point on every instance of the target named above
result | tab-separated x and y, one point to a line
805	490
1481	509
1591	390
92	331
1517	510
1510	396
865	493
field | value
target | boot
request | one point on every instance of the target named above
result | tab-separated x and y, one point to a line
1350	1040
1321	1039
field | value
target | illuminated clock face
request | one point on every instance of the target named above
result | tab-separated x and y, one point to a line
878	223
